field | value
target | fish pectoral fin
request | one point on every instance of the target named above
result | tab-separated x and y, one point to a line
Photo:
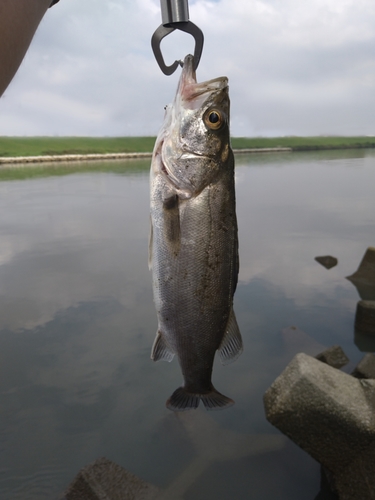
150	245
160	350
170	200
171	223
231	346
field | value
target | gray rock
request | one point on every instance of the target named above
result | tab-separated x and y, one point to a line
333	356
105	480
327	261
366	367
366	291
365	316
364	342
357	482
326	487
366	270
331	415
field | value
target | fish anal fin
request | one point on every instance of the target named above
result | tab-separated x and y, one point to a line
183	400
231	346
160	350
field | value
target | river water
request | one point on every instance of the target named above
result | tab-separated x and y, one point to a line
77	323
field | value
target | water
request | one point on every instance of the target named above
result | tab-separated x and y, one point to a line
77	323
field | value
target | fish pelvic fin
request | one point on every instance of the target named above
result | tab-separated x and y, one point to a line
160	350
231	346
183	400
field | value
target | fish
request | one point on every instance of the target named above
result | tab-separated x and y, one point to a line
193	247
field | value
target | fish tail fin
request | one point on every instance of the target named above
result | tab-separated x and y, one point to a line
182	400
214	400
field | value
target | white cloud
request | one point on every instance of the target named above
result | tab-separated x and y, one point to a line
294	67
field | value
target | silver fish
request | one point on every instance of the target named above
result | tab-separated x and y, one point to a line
193	242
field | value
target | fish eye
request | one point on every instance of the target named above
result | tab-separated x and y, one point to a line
213	119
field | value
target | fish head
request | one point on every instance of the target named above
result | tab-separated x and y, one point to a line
195	142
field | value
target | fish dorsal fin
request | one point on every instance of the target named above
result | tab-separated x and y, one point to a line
231	345
160	350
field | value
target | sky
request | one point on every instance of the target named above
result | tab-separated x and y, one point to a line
294	67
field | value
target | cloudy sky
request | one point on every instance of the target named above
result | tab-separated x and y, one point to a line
295	68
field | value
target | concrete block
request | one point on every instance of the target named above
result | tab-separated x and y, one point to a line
105	480
366	270
326	487
331	415
365	291
365	342
327	261
333	356
357	481
366	367
365	317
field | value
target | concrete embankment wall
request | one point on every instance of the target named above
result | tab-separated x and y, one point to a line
14	160
8	161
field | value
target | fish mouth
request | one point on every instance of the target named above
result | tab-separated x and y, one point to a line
195	93
191	156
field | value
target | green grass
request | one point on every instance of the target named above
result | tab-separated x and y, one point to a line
41	170
304	143
39	146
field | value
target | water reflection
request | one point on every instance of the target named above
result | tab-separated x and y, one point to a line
364	281
329	413
77	322
209	444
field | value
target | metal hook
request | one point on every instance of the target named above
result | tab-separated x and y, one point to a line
175	15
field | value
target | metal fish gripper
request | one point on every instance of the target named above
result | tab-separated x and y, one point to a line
175	15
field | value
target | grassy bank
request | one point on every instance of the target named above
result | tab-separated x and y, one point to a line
42	170
40	146
304	143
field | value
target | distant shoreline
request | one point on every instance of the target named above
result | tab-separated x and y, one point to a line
32	150
14	160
